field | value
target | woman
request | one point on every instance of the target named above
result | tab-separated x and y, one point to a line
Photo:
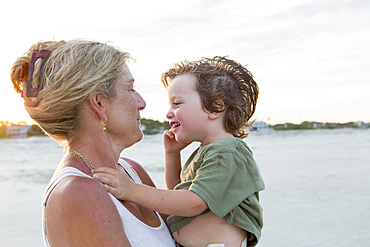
81	93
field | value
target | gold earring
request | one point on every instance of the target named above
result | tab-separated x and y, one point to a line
104	124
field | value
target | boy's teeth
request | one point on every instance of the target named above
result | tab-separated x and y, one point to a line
175	125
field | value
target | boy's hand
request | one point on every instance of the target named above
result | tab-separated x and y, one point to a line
170	143
117	183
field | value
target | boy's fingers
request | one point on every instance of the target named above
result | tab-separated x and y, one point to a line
169	134
111	190
103	179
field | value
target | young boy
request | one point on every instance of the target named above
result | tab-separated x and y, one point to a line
214	198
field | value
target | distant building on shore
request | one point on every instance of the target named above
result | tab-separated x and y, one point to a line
259	126
363	125
319	125
17	131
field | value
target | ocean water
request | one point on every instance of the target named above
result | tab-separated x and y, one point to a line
317	185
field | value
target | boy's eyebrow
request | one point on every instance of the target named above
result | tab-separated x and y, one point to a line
173	98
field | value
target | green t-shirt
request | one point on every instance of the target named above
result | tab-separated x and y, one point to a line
225	175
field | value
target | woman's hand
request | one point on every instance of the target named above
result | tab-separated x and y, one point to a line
117	183
170	143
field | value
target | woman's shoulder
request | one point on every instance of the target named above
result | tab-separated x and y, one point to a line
81	205
140	170
137	166
78	190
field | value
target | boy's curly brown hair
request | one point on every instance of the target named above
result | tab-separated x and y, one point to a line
223	85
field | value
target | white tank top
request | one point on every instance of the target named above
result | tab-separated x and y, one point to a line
138	233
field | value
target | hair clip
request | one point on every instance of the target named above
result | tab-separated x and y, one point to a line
23	73
27	69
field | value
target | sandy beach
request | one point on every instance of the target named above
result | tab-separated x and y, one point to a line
317	190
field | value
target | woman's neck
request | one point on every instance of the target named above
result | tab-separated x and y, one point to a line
97	151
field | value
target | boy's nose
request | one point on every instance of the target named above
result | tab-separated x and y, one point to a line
169	114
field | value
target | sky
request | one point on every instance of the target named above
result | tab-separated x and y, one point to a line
310	59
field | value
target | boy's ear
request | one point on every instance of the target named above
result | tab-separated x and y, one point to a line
220	105
98	104
214	115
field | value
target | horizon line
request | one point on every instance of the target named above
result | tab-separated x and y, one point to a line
312	121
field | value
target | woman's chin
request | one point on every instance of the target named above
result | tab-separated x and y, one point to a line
136	140
140	136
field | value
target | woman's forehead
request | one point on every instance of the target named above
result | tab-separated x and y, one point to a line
127	76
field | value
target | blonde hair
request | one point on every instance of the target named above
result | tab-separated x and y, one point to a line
223	85
74	70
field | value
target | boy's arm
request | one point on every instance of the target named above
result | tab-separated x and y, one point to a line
172	202
172	169
144	177
172	157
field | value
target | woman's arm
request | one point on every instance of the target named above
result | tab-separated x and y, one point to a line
79	212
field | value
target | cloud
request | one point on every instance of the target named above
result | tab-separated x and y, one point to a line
295	49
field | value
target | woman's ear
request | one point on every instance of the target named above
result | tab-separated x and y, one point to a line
98	104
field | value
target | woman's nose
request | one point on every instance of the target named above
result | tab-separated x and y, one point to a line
141	104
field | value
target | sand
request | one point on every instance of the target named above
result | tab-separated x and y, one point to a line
317	189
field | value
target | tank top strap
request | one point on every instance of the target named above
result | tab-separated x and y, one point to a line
65	172
130	170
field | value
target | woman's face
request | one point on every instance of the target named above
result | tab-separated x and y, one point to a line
123	111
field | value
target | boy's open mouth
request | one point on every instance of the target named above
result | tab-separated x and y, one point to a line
174	124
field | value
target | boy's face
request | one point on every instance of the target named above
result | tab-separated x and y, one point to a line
187	117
